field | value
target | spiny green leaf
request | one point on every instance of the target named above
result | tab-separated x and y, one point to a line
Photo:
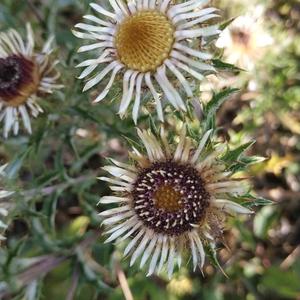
213	105
47	178
221	65
255	201
152	126
210	250
84	156
14	167
218	99
85	114
89	273
251	160
49	209
226	23
133	143
233	155
245	161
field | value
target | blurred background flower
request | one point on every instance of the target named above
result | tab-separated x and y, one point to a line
245	39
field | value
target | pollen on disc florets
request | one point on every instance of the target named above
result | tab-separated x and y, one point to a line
144	40
170	198
19	78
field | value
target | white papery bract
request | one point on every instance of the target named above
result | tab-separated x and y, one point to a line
150	42
4	206
171	201
25	76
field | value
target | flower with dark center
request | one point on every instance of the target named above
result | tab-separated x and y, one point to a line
24	76
244	39
146	40
19	78
5	206
168	197
170	200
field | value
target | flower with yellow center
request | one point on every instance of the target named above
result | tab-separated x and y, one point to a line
4	206
170	200
24	76
146	40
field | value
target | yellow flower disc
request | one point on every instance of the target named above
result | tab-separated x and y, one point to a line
144	40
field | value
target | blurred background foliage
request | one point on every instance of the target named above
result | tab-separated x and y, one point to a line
54	248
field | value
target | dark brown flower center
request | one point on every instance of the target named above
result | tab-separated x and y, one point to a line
241	37
9	72
19	78
170	198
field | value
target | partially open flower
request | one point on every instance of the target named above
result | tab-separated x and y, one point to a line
4	206
170	200
245	39
146	40
24	76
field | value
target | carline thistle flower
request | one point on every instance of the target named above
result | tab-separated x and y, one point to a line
246	40
148	40
24	76
170	200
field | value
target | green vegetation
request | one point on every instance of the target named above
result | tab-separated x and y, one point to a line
54	248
